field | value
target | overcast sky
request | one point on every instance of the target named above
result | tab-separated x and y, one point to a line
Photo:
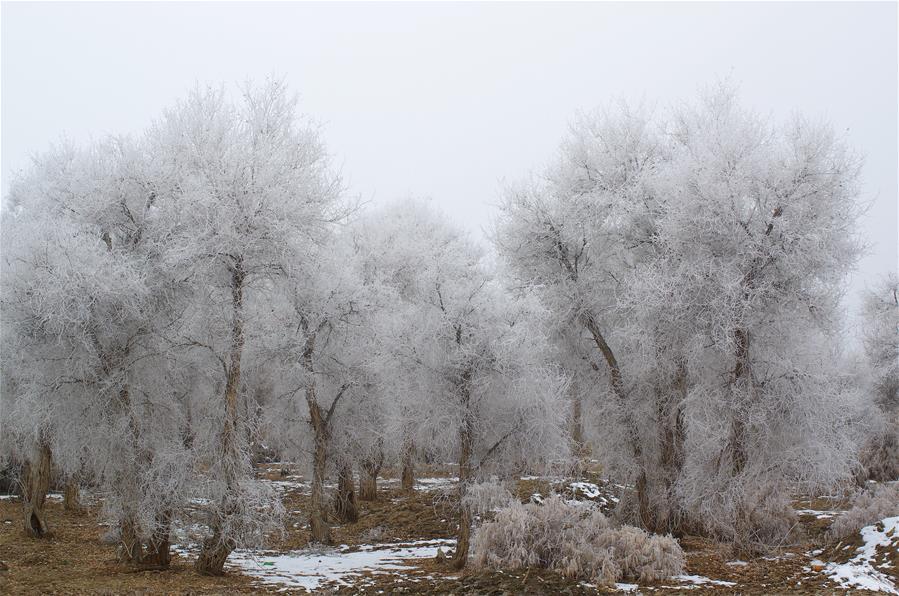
448	100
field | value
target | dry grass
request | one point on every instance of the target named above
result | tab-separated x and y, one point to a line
75	561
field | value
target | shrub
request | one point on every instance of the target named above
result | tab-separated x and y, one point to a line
869	507
575	541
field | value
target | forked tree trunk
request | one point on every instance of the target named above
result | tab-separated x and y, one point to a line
71	497
368	480
36	483
217	547
463	539
407	478
345	499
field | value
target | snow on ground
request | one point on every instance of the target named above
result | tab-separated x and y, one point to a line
588	489
309	568
819	514
859	572
284	486
699	580
434	483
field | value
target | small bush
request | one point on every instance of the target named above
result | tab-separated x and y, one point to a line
869	507
576	542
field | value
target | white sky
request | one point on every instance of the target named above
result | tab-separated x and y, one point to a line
449	100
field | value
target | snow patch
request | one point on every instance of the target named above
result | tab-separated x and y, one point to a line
699	580
859	572
308	569
588	489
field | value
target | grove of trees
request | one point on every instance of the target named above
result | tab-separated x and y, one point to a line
665	296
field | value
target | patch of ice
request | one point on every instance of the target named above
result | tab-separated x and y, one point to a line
625	587
8	497
737	563
310	568
859	572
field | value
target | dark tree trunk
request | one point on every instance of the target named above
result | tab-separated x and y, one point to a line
368	480
630	424
407	479
158	555
463	539
216	549
71	497
131	548
578	446
345	507
671	440
321	532
36	483
737	439
213	553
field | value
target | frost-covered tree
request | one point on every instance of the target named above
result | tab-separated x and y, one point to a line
323	349
486	397
249	193
573	235
758	236
880	456
684	247
85	295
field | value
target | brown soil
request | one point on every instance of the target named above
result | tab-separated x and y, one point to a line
74	560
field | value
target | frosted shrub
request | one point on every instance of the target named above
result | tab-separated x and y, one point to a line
576	542
484	497
880	457
869	507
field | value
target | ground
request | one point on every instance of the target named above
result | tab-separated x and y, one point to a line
393	549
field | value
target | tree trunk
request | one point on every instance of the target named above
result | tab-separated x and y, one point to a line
407	479
345	499
214	552
578	446
158	554
369	468
737	441
71	497
132	549
321	532
631	426
671	439
216	549
460	556
36	483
